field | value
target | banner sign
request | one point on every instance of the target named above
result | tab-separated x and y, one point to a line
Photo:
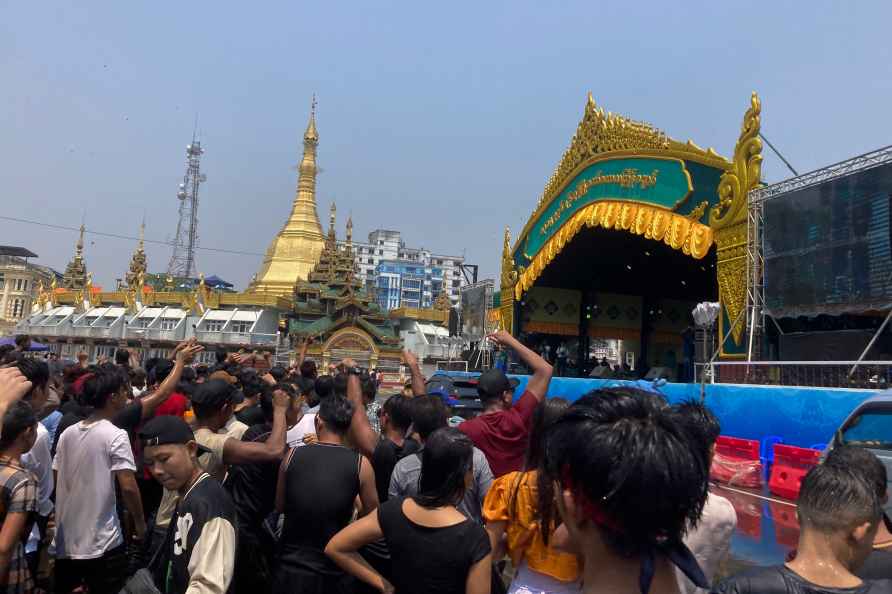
657	181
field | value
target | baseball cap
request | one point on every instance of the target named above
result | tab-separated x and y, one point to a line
493	382
167	429
216	393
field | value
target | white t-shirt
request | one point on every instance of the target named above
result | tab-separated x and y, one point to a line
39	460
295	435
710	540
86	517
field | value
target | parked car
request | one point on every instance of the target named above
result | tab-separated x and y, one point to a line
870	426
459	393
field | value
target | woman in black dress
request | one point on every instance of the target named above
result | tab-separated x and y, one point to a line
433	547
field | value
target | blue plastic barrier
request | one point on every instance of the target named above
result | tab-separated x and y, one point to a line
800	416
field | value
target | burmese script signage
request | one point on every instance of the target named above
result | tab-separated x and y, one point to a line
657	181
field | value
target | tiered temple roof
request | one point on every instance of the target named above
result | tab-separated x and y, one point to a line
333	297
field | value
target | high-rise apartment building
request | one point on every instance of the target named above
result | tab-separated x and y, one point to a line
406	277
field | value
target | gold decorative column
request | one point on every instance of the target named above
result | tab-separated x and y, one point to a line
295	250
728	220
509	280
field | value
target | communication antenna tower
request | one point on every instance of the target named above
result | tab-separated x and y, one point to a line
182	261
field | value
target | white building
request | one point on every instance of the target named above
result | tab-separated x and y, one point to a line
19	283
386	263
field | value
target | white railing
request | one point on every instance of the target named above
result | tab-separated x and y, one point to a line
240	338
827	374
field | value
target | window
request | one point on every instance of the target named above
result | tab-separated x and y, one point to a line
142	322
16	308
380	242
169	323
380	252
241	327
213	325
2	280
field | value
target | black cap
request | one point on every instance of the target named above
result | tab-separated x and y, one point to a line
493	382
167	429
216	393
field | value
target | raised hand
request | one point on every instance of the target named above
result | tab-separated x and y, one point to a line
187	354
13	385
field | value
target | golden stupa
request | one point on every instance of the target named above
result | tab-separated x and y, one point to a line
295	250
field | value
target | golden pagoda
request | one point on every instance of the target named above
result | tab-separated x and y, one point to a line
76	271
294	252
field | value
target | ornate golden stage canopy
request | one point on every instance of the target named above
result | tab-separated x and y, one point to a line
625	175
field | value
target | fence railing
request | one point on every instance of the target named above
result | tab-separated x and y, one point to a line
826	374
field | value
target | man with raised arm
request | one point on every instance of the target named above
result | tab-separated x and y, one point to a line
502	429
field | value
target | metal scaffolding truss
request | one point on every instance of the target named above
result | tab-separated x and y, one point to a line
865	161
755	246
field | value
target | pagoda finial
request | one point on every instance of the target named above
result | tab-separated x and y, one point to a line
331	219
142	236
350	229
311	136
79	246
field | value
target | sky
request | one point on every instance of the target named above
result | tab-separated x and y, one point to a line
443	121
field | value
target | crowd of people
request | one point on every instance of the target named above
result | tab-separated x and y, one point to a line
170	476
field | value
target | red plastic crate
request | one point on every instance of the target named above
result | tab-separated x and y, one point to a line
791	464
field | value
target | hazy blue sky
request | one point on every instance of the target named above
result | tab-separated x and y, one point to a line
441	120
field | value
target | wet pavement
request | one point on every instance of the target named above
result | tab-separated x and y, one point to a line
767	527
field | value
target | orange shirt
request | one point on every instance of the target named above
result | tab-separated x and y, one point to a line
524	537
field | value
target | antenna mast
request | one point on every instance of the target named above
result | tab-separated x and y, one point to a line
182	261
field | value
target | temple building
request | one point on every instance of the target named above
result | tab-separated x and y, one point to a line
295	250
150	320
333	308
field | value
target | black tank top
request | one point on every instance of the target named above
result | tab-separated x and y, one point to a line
321	484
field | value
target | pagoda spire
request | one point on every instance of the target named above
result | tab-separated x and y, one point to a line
332	217
76	272
295	250
138	260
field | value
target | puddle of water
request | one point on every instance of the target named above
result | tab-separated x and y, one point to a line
767	528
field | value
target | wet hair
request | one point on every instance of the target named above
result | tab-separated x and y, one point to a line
399	409
369	387
102	385
17	419
278	372
545	415
35	371
122	357
252	387
206	410
137	377
5	351
446	459
834	498
220	355
202	371
864	462
323	386
160	371
308	369
339	385
337	413
22	340
613	450
188	375
700	422
428	414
